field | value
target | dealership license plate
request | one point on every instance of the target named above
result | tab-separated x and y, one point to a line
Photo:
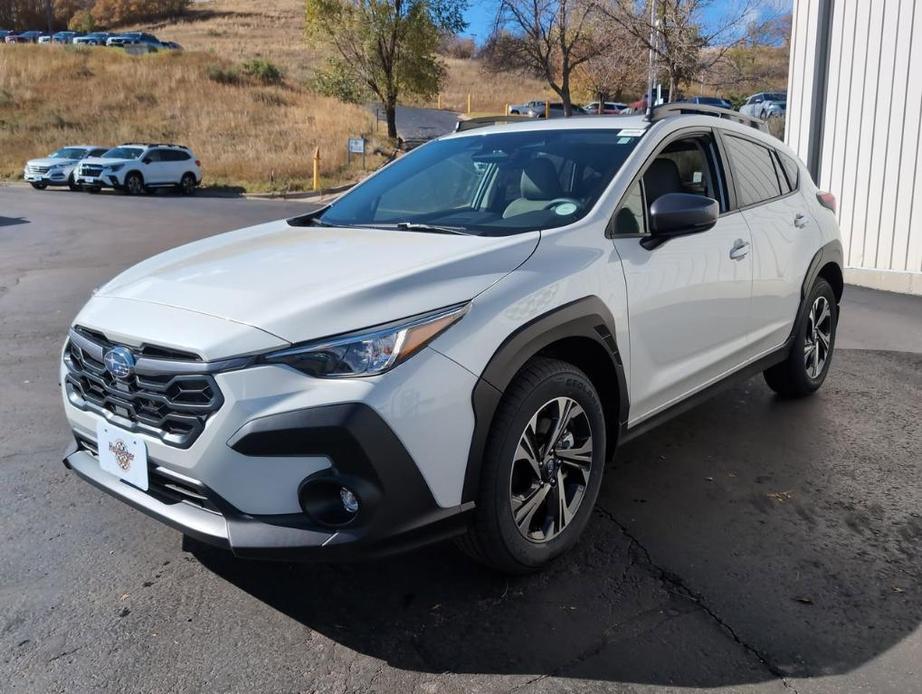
122	454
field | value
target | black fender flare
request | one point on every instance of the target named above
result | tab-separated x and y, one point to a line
589	318
829	253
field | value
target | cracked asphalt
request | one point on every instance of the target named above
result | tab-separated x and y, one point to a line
752	544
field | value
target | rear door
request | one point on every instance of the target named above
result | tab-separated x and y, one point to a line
784	235
156	167
688	299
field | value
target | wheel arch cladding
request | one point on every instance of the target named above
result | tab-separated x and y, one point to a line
826	263
582	333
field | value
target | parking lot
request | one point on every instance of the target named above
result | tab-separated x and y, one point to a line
751	544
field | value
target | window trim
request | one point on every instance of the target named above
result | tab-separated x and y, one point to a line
733	177
683	134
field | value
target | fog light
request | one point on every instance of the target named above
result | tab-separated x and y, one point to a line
350	502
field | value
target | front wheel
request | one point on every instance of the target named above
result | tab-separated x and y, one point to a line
134	184
542	469
805	369
73	185
39	186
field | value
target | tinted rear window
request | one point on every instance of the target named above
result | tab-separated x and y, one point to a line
753	171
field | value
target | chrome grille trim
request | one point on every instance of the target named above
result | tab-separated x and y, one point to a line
149	366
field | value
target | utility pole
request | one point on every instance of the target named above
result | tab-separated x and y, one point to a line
49	11
651	76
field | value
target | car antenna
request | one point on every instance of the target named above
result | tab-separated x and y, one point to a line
651	77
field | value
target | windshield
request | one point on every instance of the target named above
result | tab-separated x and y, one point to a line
123	153
493	184
69	153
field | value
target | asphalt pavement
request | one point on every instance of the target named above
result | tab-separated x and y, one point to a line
752	544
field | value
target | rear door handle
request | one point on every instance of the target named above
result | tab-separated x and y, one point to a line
800	220
740	250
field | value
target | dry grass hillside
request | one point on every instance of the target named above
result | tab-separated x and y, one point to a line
249	134
274	30
258	136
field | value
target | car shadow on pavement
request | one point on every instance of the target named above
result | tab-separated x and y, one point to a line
12	221
748	539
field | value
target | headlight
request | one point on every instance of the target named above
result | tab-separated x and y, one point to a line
115	167
368	352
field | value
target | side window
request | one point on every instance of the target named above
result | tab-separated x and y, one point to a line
631	217
753	170
154	156
684	166
791	169
98	152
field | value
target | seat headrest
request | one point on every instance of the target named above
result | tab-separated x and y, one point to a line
662	177
539	180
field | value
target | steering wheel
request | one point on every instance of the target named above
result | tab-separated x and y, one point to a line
557	202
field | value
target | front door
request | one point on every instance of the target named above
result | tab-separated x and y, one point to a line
688	299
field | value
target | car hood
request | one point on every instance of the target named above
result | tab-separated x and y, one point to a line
51	162
301	283
102	161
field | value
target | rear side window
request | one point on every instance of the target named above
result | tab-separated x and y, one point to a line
791	169
753	171
175	155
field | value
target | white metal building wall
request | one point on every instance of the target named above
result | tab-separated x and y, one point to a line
854	104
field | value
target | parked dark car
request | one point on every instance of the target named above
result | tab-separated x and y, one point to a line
24	37
136	38
97	38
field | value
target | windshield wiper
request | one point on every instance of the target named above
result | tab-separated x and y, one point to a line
415	226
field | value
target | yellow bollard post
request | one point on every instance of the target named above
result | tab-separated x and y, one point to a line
440	102
506	112
468	103
547	109
317	169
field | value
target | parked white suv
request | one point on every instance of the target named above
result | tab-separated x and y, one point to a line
136	168
57	169
458	345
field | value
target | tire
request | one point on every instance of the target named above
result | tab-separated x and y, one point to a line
187	184
39	186
805	368
72	184
511	484
134	183
93	189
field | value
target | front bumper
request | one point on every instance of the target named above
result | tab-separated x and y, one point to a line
53	179
101	181
397	510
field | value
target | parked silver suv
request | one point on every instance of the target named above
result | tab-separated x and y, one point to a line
458	345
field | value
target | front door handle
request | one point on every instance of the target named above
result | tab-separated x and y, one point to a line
740	250
800	220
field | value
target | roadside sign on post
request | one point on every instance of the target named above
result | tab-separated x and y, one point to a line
356	145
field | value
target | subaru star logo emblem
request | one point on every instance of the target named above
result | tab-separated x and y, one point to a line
119	363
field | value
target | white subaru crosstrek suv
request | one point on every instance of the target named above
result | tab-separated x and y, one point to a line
138	168
456	346
57	169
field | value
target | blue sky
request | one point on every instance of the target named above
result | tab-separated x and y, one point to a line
481	14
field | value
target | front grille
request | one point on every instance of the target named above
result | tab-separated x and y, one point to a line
171	406
165	485
37	169
89	170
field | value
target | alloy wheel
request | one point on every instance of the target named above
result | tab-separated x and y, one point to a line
134	184
818	338
550	472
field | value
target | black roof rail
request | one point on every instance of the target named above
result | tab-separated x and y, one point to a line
677	108
484	121
152	144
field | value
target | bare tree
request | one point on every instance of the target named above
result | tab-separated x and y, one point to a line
683	43
619	68
547	38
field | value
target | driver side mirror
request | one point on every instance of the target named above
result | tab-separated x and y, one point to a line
679	214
